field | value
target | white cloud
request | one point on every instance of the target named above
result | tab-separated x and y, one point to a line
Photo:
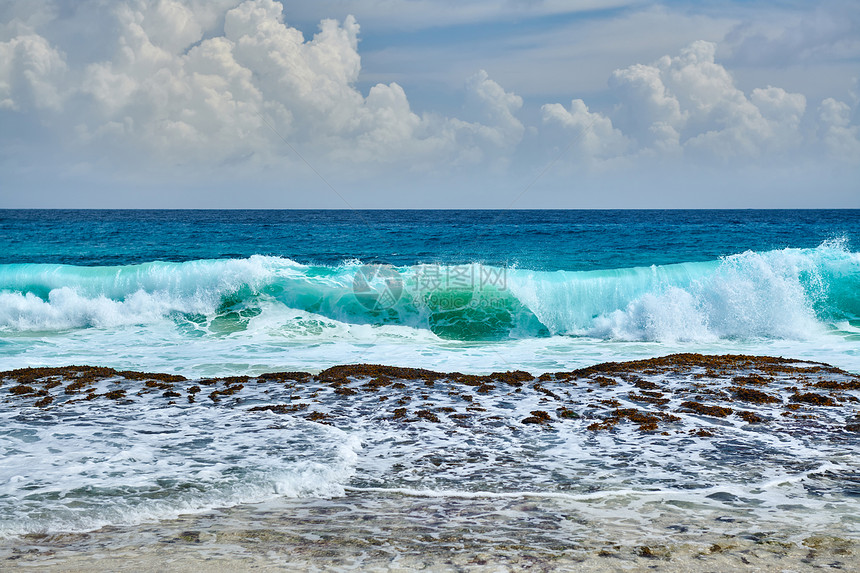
721	121
195	85
498	107
648	111
689	106
31	73
187	96
841	139
590	135
783	111
386	129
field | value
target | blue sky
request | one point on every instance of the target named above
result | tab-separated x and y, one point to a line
429	103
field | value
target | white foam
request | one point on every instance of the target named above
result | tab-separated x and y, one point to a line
108	464
166	317
748	295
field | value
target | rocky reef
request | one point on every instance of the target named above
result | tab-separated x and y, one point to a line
659	395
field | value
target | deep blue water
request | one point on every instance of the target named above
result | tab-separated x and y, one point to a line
539	240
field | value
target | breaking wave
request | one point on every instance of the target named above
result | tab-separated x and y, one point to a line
781	294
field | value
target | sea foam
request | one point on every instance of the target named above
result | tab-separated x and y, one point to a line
788	293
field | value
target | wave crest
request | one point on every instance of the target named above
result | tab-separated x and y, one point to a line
787	293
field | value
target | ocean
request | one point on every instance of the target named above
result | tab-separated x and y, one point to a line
443	455
241	292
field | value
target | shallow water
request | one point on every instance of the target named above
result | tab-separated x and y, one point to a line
396	532
776	442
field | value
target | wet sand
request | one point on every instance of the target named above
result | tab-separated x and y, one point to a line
399	533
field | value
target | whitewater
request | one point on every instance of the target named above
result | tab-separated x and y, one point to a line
176	380
254	314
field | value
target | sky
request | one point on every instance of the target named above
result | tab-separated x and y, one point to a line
429	104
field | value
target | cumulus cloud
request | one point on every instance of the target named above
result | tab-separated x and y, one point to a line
721	121
169	90
31	73
387	130
841	139
201	82
591	134
648	110
500	124
688	106
221	82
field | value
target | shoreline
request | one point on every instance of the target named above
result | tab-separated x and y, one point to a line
398	533
486	521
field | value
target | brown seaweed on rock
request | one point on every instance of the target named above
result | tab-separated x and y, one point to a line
657	394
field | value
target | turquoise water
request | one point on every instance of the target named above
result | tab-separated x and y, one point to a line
229	292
